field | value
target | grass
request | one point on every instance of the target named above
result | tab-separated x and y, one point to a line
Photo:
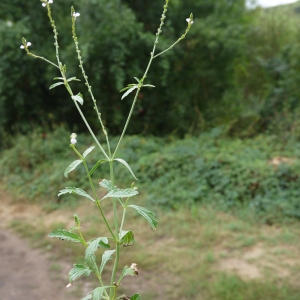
198	253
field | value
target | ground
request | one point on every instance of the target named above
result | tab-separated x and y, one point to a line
201	244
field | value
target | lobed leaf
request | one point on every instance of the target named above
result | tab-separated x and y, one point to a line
98	292
66	235
106	256
106	184
78	271
74	190
72	167
147	214
127	238
55	84
121	193
87	151
122	161
127	271
92	248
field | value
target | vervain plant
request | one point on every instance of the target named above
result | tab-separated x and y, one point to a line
118	236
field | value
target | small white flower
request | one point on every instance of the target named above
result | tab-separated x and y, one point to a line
50	1
28	44
22	47
73	138
44	4
189	21
76	14
68	285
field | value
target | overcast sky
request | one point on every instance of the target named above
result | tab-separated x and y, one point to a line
268	3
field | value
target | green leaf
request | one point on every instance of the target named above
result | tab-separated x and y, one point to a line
73	228
137	79
126	272
106	184
58	78
135	297
72	166
149	85
73	78
88	297
127	238
55	84
107	255
78	271
74	190
76	220
98	163
122	161
78	99
87	151
120	193
147	214
128	92
94	244
66	235
98	292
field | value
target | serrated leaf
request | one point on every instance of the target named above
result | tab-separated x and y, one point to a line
66	235
92	248
147	214
135	297
88	297
73	78
106	256
121	193
128	92
77	98
98	292
55	84
127	238
122	161
78	191
72	166
78	271
73	228
106	184
127	271
98	163
87	151
149	85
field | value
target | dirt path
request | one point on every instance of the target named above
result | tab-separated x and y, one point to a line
25	273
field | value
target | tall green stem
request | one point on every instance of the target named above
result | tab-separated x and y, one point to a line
144	76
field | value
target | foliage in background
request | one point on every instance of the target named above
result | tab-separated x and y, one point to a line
228	173
200	70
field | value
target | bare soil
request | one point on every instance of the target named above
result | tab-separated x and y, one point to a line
25	273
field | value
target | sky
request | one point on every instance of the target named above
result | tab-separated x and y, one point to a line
269	3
